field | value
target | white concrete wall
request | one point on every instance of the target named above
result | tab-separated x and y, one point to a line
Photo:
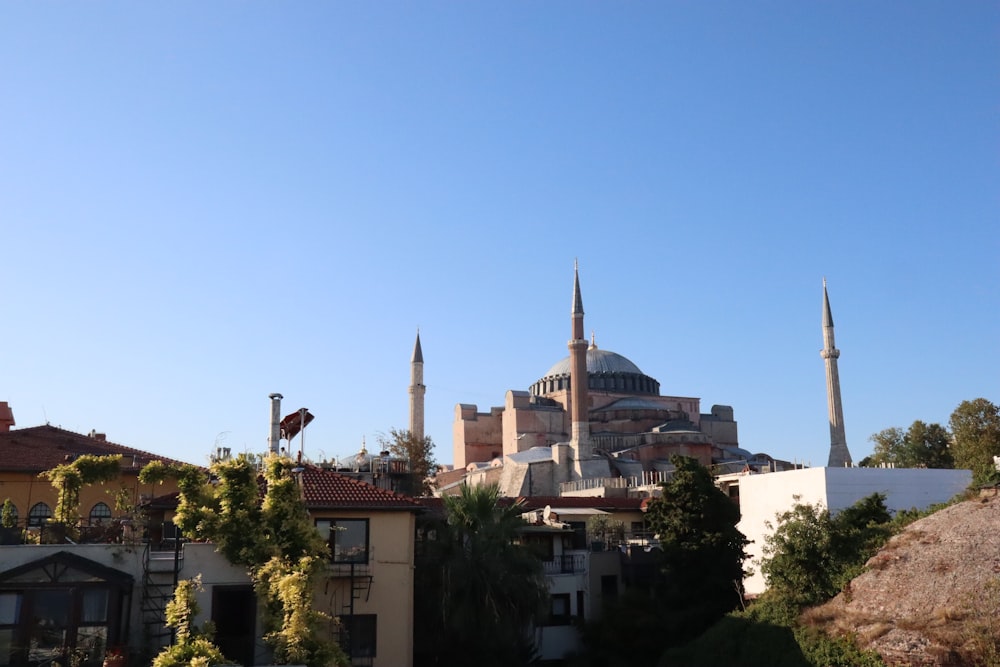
764	496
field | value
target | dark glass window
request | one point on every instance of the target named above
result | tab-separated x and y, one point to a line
348	539
579	534
101	513
38	514
61	608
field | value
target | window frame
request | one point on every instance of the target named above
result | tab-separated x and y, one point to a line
103	519
336	548
84	600
38	519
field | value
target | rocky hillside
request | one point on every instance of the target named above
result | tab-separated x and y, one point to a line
931	596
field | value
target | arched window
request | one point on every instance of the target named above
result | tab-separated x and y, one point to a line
38	513
100	514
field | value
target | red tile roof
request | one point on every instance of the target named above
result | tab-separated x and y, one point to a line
40	448
326	489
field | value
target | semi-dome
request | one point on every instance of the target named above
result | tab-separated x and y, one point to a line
606	371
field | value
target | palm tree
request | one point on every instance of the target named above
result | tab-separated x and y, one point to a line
476	587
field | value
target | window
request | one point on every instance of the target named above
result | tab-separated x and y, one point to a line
38	514
559	613
360	635
579	534
100	514
348	539
58	604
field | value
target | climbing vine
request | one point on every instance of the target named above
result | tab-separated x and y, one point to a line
271	536
192	646
69	478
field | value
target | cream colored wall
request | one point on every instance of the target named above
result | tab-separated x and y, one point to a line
390	539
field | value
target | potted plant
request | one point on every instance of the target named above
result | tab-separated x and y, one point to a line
115	657
9	534
603	530
597	531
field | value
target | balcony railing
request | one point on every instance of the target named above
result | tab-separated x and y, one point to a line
359	565
648	478
566	564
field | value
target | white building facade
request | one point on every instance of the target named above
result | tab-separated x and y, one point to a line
763	496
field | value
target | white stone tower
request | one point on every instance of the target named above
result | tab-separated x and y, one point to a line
839	454
417	390
578	394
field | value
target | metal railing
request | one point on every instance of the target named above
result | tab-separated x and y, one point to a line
647	478
566	564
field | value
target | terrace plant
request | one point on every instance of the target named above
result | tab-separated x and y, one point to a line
192	646
604	529
69	478
8	515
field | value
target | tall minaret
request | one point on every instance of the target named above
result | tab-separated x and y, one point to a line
417	390
839	454
579	413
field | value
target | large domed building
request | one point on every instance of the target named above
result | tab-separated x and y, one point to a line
542	442
605	370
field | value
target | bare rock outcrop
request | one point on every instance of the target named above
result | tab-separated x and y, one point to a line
931	596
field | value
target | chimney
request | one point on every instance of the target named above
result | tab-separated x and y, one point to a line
275	436
6	417
99	437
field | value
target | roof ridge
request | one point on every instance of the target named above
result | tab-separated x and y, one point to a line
56	434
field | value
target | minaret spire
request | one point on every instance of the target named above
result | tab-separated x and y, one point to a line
417	390
578	398
840	456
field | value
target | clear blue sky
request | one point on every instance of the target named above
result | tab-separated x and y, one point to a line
203	203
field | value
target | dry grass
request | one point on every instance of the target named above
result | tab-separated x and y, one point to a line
872	632
942	566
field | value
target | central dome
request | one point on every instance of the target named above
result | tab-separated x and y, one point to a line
598	361
606	371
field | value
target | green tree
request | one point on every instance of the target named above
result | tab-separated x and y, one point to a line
419	452
975	426
703	552
920	446
476	586
812	554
